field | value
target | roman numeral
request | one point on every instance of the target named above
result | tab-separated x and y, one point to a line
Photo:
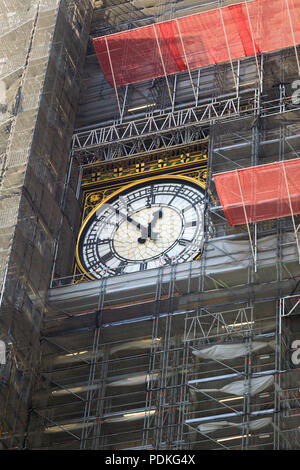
193	223
104	241
143	266
184	242
187	208
150	197
120	268
178	191
107	257
94	265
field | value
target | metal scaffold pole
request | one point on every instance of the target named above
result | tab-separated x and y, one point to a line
89	423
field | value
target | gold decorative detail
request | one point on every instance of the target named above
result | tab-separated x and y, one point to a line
140	167
185	158
109	171
162	162
118	171
94	198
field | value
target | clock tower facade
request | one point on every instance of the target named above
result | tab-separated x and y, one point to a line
135	314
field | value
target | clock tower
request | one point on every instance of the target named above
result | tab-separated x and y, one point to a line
150	204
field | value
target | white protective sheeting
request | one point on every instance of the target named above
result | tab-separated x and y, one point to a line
230	351
131	345
221	256
136	380
215	426
225	255
127	417
2	352
241	387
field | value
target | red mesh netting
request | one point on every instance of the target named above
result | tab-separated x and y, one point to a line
265	192
198	40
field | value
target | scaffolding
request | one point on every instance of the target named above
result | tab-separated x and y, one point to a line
240	380
199	355
186	364
40	61
225	33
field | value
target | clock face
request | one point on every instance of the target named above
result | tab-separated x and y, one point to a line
146	225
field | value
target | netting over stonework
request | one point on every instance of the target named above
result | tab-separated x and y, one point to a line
260	193
199	40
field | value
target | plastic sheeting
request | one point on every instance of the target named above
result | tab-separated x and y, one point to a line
128	416
260	193
215	426
198	40
131	345
136	380
241	387
228	255
230	351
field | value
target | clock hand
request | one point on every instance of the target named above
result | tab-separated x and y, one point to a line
132	221
157	215
145	231
149	234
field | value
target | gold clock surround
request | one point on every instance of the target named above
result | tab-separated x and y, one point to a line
94	195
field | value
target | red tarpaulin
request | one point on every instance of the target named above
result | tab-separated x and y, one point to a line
198	40
261	192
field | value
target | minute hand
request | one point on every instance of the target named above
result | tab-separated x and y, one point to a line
141	227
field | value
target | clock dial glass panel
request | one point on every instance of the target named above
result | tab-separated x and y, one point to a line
147	225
